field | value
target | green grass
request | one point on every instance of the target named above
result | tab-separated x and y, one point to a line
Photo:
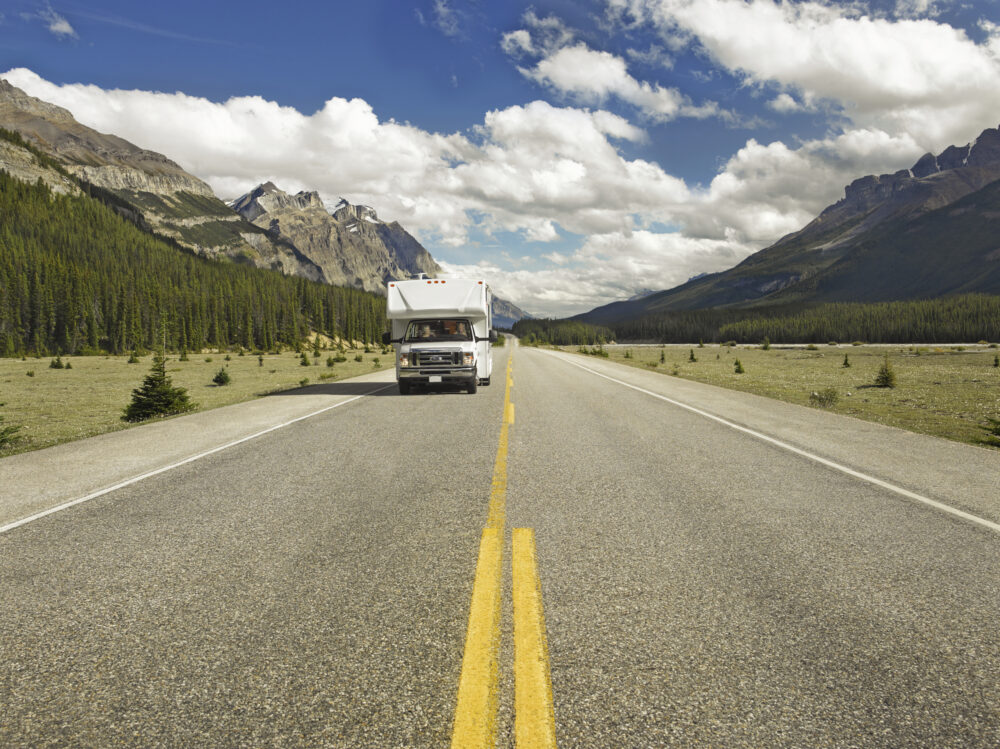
60	405
940	390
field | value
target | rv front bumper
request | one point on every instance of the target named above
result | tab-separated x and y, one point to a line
447	374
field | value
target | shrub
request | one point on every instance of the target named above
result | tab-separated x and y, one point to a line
340	358
260	360
222	377
303	382
857	343
359	357
227	357
69	365
812	347
30	373
157	396
886	377
996	361
766	344
730	344
57	363
208	359
738	367
133	357
691	356
663	357
304	360
824	398
330	361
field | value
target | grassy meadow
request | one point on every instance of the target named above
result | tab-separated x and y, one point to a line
59	405
946	391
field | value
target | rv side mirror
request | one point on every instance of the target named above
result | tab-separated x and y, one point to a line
386	338
493	336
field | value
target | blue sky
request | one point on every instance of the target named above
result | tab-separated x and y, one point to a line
573	152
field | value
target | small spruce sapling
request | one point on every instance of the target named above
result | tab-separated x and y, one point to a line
886	377
738	367
766	344
847	362
691	356
157	396
222	377
57	363
663	357
996	361
303	360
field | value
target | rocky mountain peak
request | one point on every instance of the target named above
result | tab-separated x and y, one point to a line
13	99
346	212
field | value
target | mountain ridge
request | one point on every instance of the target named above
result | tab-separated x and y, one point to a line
858	232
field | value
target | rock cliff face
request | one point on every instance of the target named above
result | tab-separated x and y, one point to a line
350	245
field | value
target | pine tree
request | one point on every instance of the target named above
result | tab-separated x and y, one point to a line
222	377
738	367
886	377
691	356
157	396
847	362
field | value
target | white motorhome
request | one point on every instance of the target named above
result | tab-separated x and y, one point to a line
441	330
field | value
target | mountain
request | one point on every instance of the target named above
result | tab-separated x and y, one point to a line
506	314
267	228
923	232
145	186
351	246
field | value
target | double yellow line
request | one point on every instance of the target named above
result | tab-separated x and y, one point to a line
478	686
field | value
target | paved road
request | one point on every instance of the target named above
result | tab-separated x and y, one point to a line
702	586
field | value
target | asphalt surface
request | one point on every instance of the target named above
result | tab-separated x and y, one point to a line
702	587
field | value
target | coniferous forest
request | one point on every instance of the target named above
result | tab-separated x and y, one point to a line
77	278
965	318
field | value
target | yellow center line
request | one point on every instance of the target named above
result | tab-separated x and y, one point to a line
534	716
478	685
498	492
476	710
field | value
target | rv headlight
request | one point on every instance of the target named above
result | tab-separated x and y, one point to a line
468	357
404	360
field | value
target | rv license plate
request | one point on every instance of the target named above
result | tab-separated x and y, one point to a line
434	378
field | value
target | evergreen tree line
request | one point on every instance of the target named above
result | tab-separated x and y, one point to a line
561	332
76	278
970	317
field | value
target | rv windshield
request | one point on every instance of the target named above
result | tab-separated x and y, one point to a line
421	331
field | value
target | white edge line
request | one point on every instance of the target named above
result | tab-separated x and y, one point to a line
995	527
164	469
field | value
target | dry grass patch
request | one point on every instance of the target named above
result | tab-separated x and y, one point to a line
59	405
946	391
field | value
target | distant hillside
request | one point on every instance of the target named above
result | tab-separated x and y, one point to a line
76	277
920	233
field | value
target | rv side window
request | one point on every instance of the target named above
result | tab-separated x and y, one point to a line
447	329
